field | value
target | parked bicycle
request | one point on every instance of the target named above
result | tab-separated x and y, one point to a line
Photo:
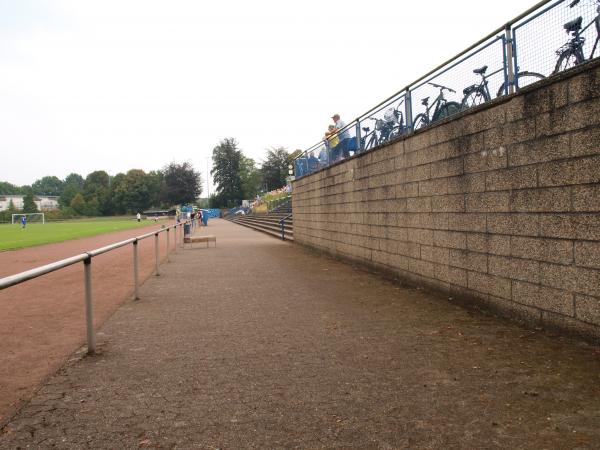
442	108
477	94
386	129
572	54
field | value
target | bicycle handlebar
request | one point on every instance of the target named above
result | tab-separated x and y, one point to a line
442	87
574	3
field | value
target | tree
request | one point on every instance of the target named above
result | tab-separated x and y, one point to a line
49	185
117	191
155	181
78	204
72	185
275	168
182	184
7	188
226	173
251	178
74	179
96	192
11	207
134	191
29	205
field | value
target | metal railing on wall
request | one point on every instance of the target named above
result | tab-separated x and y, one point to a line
546	39
87	258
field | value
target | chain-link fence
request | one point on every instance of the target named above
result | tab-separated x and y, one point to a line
545	40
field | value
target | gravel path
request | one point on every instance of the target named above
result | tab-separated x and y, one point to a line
258	343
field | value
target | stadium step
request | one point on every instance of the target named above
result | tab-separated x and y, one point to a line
267	223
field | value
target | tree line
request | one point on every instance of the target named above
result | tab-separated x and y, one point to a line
99	194
236	177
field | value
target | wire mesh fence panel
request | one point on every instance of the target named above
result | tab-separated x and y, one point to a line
474	79
382	125
557	37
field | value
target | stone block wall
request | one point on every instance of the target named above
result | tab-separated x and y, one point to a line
499	206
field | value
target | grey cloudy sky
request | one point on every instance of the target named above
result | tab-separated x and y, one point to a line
120	84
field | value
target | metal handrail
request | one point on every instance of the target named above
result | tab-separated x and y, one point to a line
407	88
87	258
282	224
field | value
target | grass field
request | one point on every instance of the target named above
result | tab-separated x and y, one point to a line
13	237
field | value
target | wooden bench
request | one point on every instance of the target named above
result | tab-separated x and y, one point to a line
197	239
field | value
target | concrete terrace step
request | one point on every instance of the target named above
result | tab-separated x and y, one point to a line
265	219
289	235
267	223
268	226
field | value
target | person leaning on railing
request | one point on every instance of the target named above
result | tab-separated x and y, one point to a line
332	140
344	136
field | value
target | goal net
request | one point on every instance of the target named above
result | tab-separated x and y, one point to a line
31	218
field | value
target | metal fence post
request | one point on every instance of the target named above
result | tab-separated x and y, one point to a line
509	59
358	139
408	109
136	273
156	252
89	318
175	238
168	245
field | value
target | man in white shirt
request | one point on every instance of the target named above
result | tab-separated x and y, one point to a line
339	124
343	136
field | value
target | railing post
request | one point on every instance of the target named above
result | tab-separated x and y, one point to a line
89	318
136	272
168	245
358	139
281	222
510	62
408	109
156	252
175	238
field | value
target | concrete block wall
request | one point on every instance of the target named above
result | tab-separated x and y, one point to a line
500	206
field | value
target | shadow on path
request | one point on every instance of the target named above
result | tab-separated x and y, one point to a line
258	343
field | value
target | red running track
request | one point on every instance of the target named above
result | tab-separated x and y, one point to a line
42	321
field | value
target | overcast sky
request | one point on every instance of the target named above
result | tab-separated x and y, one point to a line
120	84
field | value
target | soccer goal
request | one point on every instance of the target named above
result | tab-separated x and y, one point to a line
31	218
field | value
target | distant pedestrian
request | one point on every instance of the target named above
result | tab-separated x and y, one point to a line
139	217
23	221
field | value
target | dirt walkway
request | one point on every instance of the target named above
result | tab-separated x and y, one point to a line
260	344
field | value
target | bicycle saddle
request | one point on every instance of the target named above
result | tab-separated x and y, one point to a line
425	101
481	71
366	129
573	25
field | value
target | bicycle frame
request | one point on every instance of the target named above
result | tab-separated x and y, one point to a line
577	41
440	100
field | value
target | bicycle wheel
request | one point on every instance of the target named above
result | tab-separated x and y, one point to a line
421	121
396	131
566	60
523	79
474	97
371	141
446	110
